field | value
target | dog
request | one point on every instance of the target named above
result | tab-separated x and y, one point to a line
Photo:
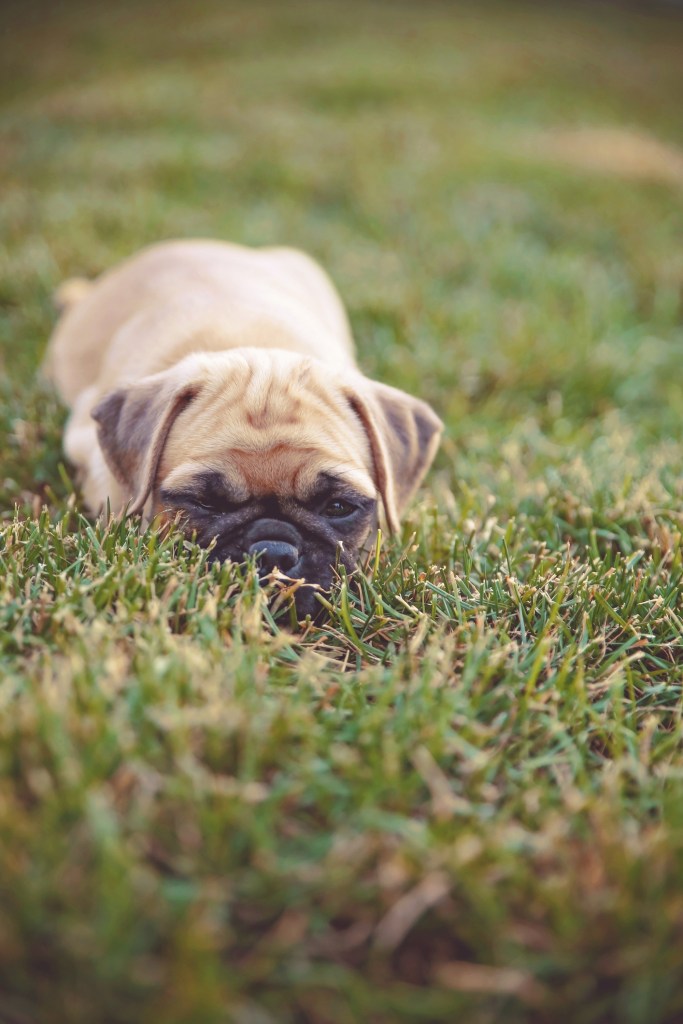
216	386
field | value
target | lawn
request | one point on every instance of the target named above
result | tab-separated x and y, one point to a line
461	799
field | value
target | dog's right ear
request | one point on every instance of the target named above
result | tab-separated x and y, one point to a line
133	425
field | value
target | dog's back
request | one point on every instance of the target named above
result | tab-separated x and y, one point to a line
177	297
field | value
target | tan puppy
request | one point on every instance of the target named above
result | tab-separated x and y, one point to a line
219	382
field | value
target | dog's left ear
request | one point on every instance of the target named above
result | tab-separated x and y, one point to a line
133	425
404	435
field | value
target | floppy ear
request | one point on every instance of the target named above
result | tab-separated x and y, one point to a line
404	435
133	424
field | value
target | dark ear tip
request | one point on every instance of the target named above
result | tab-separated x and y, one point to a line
425	410
108	409
435	421
429	426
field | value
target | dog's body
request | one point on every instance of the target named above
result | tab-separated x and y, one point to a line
220	382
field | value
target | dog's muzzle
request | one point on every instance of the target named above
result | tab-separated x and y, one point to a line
274	545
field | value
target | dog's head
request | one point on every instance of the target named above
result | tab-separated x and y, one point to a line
271	455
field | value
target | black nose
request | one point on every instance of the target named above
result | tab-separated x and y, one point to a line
274	553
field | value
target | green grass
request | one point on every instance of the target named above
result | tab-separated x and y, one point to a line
462	798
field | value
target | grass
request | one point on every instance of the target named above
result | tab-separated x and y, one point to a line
460	799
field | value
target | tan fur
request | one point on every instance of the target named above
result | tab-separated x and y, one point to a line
70	293
201	355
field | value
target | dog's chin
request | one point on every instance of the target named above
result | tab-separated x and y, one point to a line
299	589
301	599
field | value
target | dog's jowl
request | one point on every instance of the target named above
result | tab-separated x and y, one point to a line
217	386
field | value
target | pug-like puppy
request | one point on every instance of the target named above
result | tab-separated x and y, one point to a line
216	385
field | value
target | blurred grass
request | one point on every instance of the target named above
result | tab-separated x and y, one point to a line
461	798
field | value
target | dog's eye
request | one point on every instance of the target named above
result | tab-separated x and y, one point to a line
207	506
338	509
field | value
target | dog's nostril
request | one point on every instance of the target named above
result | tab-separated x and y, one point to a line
272	553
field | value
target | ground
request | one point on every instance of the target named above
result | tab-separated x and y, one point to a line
462	799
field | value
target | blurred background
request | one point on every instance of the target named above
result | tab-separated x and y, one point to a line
200	814
495	187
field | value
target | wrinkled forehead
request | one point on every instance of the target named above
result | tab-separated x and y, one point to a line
285	477
270	430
